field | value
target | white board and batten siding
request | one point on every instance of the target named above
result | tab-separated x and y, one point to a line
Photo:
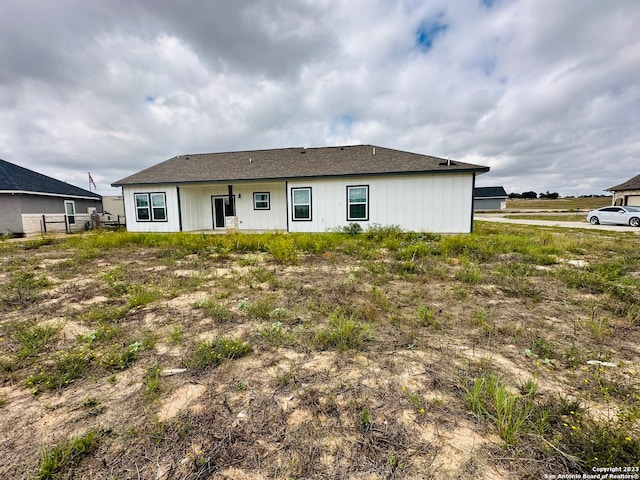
172	224
433	203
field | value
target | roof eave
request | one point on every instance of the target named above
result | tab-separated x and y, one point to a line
474	169
50	194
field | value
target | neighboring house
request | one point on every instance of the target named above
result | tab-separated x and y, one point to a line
489	198
627	193
25	196
301	190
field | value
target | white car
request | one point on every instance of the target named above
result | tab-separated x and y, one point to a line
619	215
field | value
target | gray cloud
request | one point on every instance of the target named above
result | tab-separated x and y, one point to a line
543	92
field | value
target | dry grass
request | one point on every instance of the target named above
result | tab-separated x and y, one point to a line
320	356
563	204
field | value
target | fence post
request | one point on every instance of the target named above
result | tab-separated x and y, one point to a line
66	223
44	223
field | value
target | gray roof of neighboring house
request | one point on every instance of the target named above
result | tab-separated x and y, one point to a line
18	179
631	184
296	162
489	192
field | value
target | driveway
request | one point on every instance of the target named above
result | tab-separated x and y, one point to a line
554	223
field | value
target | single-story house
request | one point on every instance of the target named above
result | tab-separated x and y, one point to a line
25	196
301	190
627	193
489	198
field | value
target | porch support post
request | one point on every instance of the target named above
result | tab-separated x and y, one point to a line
232	203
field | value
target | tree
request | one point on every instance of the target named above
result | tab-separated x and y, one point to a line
529	195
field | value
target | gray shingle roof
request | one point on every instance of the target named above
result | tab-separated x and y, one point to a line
18	179
489	192
288	163
631	184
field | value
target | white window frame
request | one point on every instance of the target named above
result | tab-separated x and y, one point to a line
266	199
147	208
365	203
294	217
162	207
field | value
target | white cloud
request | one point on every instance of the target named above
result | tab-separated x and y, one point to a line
544	92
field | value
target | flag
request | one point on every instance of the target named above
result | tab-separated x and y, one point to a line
91	182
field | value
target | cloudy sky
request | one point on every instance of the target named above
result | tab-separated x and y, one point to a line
545	92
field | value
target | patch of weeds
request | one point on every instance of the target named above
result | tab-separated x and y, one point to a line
365	418
380	299
105	315
32	339
469	274
573	356
120	358
66	455
67	367
140	296
247	260
216	311
427	316
261	309
283	250
38	242
102	334
263	275
379	232
276	335
491	398
407	267
481	319
543	348
23	289
588	443
285	377
152	384
344	333
176	334
597	325
205	354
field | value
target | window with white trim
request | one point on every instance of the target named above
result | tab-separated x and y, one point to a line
151	207
158	207
261	201
301	204
358	203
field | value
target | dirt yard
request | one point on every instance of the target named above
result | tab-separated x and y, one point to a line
509	353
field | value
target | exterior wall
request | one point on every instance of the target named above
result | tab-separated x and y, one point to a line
14	206
434	203
489	203
172	224
197	209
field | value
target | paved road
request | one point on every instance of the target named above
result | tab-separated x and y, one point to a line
554	223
